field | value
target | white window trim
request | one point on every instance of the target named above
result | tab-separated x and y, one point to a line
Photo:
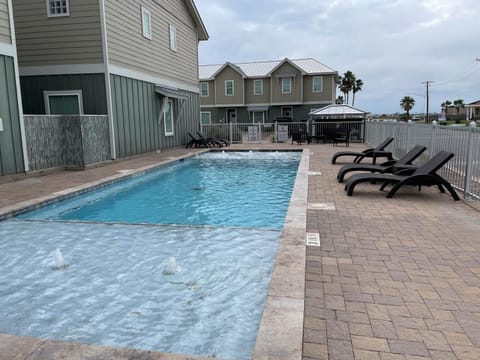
49	14
313	84
233	87
261	87
173	39
170	133
291	85
47	94
204	82
209	117
146	12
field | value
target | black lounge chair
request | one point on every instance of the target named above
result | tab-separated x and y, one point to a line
194	142
390	166
373	153
423	175
217	142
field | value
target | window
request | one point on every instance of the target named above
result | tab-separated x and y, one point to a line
168	118
228	87
258	117
57	8
205	117
204	89
146	24
258	87
286	85
173	38
317	84
63	102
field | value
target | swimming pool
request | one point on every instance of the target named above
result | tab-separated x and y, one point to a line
246	189
214	265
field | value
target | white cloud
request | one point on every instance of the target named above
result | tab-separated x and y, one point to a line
393	46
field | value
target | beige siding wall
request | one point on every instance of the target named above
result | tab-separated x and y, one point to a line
297	85
210	100
43	40
229	74
326	94
250	98
129	49
4	23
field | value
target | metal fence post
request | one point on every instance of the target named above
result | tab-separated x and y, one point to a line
259	132
432	137
231	132
468	170
409	134
275	134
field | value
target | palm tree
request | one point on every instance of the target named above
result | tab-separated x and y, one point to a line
407	104
445	105
339	100
357	86
346	83
458	104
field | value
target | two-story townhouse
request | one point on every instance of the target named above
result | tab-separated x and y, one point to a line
12	151
265	91
134	61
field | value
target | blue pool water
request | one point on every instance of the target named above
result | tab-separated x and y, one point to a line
247	189
119	288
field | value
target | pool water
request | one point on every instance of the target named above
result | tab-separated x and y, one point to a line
246	189
119	287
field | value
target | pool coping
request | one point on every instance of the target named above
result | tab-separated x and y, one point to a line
280	334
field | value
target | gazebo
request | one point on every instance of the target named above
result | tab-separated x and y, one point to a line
332	119
338	112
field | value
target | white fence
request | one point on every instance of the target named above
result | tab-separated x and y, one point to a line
238	133
463	171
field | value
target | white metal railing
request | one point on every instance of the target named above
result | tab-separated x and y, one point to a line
238	133
463	171
279	131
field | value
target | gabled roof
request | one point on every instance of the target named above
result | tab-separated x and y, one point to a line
260	69
201	29
474	103
337	110
286	61
228	64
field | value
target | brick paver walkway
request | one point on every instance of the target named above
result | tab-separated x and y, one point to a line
393	278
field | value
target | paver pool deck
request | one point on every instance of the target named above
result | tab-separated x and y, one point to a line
392	278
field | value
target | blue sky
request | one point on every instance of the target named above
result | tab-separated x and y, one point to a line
392	45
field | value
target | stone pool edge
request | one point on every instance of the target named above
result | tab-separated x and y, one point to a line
280	336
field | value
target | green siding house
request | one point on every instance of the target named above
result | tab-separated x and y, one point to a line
285	90
133	64
12	151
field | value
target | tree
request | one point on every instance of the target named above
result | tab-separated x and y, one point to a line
349	83
458	104
445	105
339	100
357	86
407	104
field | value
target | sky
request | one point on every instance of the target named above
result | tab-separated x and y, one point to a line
393	46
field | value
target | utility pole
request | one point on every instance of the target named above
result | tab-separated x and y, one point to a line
427	84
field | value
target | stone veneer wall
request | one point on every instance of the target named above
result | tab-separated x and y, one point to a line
66	141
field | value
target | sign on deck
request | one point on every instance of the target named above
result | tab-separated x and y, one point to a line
282	133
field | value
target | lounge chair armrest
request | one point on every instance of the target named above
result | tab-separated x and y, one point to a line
405	171
388	163
368	151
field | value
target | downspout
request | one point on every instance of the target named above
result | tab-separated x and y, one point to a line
17	83
108	85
